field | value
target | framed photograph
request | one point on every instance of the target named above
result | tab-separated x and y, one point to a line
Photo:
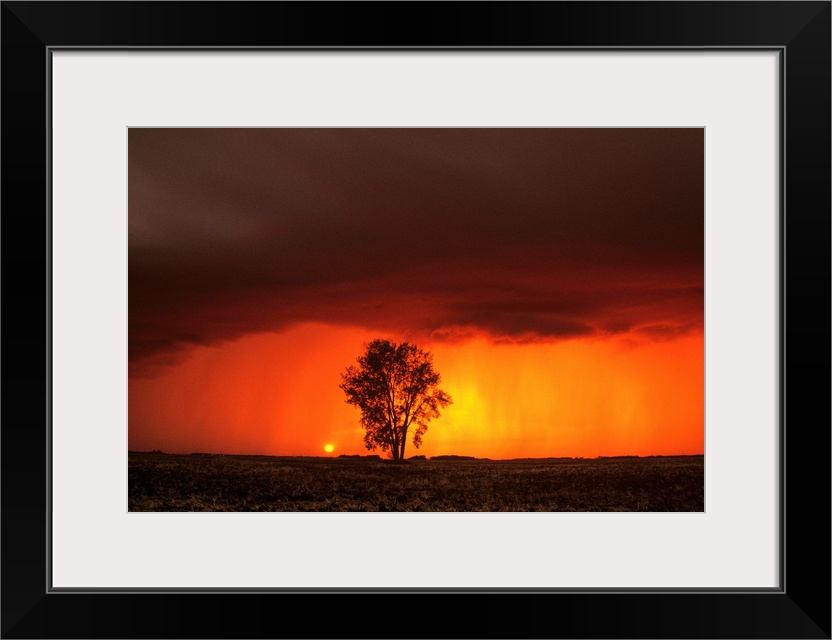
548	284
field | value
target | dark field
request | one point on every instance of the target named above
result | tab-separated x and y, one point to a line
165	482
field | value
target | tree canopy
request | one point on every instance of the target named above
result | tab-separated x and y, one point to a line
396	388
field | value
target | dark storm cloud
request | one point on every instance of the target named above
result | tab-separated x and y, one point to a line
519	233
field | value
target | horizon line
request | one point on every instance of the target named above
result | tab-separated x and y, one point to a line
416	456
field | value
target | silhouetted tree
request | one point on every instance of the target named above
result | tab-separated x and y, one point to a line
396	388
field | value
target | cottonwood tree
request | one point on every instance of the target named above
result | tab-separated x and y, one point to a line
396	389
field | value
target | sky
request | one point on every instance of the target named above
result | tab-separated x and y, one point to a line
556	275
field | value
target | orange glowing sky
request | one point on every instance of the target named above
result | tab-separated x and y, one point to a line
278	394
557	276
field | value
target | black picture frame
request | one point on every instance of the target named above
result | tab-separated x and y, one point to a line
799	31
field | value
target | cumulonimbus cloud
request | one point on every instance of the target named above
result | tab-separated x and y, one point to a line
517	234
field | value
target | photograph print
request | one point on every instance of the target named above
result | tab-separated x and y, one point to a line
416	319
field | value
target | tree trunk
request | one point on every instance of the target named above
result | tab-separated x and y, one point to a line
394	442
395	450
404	442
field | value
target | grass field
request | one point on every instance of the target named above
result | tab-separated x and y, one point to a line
166	482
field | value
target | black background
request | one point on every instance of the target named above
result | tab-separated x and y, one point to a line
801	609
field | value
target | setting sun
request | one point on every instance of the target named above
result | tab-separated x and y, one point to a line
329	448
